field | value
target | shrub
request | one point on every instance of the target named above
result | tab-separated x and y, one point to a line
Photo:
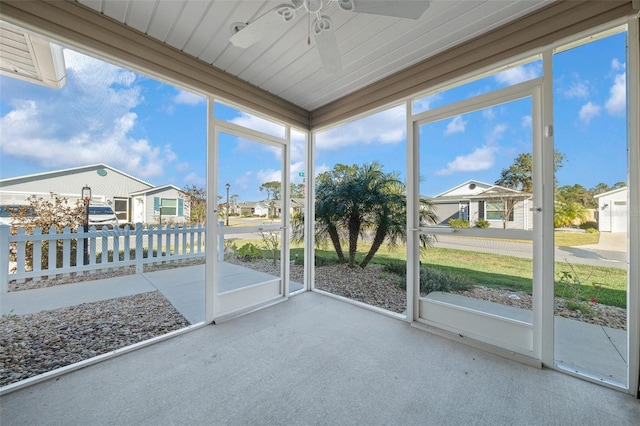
432	279
482	223
249	252
398	268
589	225
458	223
326	261
591	231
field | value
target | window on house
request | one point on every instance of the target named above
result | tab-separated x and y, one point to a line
495	210
169	206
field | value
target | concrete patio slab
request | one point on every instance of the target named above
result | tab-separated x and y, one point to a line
314	360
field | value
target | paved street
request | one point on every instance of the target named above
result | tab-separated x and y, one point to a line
609	252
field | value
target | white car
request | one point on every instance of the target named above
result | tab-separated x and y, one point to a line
101	216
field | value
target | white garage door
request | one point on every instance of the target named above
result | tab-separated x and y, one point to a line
619	217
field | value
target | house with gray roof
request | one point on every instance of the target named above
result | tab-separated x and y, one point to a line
132	199
474	200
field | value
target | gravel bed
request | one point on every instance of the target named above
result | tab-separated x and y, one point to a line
608	316
36	343
374	286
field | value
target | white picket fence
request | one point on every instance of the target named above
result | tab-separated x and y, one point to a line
107	249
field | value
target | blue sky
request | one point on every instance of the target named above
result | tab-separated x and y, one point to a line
158	133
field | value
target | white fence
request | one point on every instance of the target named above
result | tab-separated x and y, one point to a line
115	248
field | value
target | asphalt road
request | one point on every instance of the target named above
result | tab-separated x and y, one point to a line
574	255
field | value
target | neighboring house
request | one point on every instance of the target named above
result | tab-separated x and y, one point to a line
266	208
108	186
161	204
245	208
474	200
297	205
612	213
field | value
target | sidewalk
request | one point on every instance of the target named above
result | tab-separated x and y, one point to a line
183	287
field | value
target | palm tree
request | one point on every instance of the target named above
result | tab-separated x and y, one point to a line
352	200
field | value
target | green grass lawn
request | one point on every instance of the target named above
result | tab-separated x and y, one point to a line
571	239
496	271
499	271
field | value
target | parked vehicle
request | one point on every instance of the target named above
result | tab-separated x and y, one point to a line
101	216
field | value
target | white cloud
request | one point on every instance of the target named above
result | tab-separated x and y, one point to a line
617	102
482	158
260	124
488	113
588	112
578	89
89	121
496	133
182	167
194	179
526	121
519	74
244	181
269	175
456	125
187	98
616	65
386	127
320	169
426	103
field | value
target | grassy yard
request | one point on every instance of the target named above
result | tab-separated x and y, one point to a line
571	239
499	271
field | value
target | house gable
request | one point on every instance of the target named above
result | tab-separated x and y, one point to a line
467	189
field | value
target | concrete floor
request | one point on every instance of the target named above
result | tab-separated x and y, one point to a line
314	360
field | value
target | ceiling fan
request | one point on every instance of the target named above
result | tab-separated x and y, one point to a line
245	34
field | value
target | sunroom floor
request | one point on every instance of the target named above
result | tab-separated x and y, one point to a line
314	360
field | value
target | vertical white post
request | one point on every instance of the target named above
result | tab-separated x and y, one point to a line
285	214
4	258
221	242
211	269
139	249
412	204
310	213
543	237
633	124
36	252
53	251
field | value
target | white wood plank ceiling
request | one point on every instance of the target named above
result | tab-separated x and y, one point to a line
371	46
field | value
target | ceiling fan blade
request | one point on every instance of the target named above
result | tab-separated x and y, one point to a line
408	9
274	21
327	45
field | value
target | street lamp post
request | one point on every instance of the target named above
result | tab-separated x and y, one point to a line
227	186
86	197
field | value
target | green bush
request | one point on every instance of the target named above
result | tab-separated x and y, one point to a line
398	268
482	223
249	252
326	261
432	279
458	223
589	225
